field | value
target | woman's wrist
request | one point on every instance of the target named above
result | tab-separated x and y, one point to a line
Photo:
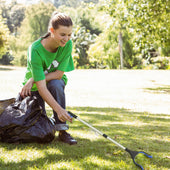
31	80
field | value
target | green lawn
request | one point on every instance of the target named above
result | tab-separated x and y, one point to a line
162	89
134	130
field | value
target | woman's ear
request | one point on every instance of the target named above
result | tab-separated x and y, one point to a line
52	30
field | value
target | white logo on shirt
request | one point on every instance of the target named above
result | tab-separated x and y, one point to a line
54	64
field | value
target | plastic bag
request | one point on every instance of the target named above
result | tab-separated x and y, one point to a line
23	122
5	103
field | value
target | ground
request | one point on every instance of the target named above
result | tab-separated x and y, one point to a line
137	90
120	103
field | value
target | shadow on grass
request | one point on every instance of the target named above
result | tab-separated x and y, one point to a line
5	69
162	89
135	130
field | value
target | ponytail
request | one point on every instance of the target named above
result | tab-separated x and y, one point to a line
46	35
59	18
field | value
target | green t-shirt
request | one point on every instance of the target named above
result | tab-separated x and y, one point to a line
40	61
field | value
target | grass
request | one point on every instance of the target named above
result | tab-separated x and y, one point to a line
162	89
5	69
134	130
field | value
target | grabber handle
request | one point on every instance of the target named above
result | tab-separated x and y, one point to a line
72	114
96	130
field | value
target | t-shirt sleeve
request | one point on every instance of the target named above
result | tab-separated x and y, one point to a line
36	65
66	63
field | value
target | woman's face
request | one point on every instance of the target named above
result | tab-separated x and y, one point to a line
61	35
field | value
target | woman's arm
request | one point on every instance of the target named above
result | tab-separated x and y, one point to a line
46	95
26	90
54	75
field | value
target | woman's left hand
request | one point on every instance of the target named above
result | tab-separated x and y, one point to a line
26	90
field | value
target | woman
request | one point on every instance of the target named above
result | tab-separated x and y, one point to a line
48	58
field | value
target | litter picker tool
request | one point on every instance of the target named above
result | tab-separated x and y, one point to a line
133	154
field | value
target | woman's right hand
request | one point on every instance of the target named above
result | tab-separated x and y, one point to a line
63	115
26	90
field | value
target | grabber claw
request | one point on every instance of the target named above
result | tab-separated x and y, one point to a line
133	154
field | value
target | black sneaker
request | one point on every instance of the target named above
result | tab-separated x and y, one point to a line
66	138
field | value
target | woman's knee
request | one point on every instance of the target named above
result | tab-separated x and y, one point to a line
56	85
56	88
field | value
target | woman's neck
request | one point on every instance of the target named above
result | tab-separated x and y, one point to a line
49	45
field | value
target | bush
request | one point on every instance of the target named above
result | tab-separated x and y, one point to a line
161	62
20	59
6	59
157	63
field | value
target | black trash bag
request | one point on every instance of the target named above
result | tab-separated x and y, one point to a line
24	122
5	103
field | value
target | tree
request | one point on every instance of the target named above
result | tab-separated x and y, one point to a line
82	41
36	20
4	35
91	1
104	52
17	15
150	20
117	9
72	3
5	12
118	12
84	16
34	25
146	21
88	19
68	3
86	27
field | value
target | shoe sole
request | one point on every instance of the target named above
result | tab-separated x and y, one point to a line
70	143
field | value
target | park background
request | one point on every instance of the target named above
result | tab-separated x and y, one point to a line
108	34
121	83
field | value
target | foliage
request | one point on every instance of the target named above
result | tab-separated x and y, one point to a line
105	52
118	26
72	3
86	18
36	20
17	15
85	30
130	58
5	13
34	25
149	20
88	27
82	40
160	62
144	26
68	3
4	35
14	14
6	59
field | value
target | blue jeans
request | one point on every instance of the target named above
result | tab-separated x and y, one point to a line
56	88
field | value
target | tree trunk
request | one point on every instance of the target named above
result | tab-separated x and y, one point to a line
121	49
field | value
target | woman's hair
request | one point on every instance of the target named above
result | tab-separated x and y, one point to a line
56	20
